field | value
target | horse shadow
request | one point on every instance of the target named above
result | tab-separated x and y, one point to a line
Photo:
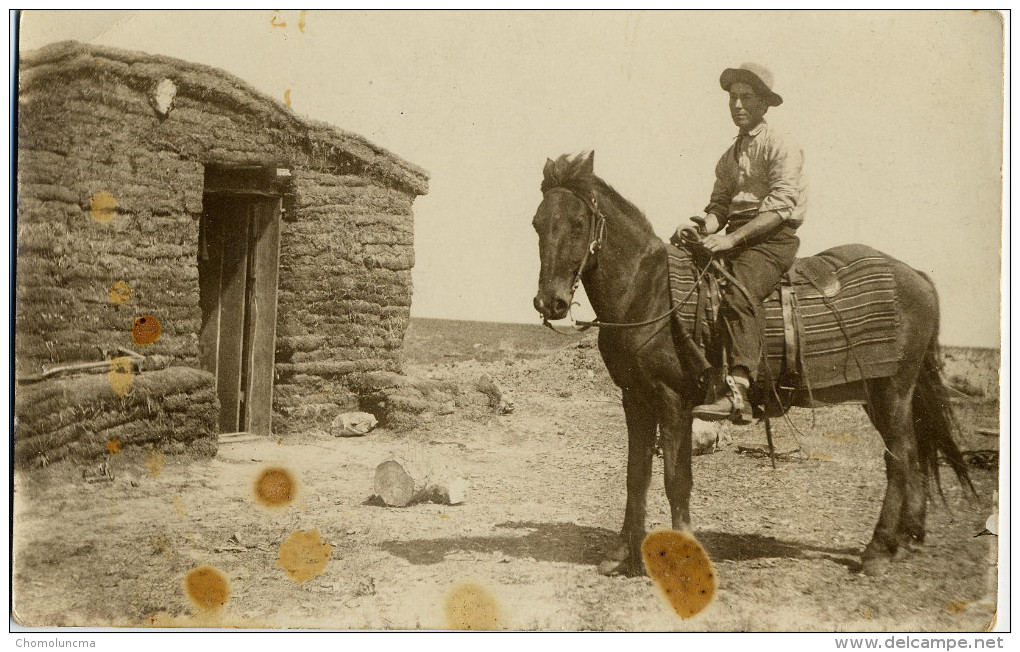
586	546
556	542
727	546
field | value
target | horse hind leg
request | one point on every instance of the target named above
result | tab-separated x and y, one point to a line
915	509
891	413
934	425
677	450
910	532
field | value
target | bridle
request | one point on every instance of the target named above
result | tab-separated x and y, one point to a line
596	238
596	233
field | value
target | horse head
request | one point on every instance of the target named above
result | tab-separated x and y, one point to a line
567	226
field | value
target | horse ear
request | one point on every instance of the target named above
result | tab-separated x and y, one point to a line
550	177
547	171
586	162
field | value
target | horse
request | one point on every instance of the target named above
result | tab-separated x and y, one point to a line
591	235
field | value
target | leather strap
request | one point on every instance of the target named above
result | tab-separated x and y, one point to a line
700	316
787	298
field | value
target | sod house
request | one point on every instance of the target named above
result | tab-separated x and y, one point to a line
193	258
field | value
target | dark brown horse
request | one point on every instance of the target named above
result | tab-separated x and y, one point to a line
588	233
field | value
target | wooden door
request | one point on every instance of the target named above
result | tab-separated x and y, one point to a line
260	353
238	273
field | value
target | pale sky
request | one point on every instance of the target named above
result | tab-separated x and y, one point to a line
899	115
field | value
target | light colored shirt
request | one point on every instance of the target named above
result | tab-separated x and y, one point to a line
761	171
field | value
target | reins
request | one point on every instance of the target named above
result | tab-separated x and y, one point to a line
585	325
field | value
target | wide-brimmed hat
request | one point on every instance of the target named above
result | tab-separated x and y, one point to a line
754	74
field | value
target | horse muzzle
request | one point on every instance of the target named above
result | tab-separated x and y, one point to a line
555	308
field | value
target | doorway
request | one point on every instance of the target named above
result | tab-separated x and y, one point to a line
238	270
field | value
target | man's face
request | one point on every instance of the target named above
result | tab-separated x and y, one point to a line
747	108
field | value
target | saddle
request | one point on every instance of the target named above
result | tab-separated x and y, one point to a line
832	319
812	272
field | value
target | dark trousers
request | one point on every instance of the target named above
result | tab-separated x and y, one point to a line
758	265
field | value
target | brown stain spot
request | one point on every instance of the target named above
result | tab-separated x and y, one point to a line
286	97
840	437
471	607
275	487
304	555
820	457
682	569
276	20
121	375
302	21
207	588
154	462
178	506
120	294
146	330
103	207
279	441
957	607
113	446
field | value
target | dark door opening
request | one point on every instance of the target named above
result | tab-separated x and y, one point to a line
238	269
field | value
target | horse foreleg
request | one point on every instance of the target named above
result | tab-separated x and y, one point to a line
675	424
641	425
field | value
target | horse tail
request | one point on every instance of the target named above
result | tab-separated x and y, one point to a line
934	420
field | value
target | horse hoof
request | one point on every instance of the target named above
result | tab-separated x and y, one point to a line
613	567
621	553
913	544
907	547
875	567
618	568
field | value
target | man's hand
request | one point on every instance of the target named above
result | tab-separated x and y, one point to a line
702	225
718	242
710	223
684	234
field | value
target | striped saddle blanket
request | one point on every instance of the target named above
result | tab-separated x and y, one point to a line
840	316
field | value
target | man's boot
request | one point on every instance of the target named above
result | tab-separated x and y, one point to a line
733	406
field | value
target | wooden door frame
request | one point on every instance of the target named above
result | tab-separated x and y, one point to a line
257	265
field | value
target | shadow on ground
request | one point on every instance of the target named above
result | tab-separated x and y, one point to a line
584	545
557	542
724	546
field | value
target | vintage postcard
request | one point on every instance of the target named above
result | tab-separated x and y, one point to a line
515	321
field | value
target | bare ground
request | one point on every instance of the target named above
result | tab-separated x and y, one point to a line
545	502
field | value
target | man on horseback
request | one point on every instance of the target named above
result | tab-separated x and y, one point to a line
759	197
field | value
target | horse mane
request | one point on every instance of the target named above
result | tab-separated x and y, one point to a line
574	174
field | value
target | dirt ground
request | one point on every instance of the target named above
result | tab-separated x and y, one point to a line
545	501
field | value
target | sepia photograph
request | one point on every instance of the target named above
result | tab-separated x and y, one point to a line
590	320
